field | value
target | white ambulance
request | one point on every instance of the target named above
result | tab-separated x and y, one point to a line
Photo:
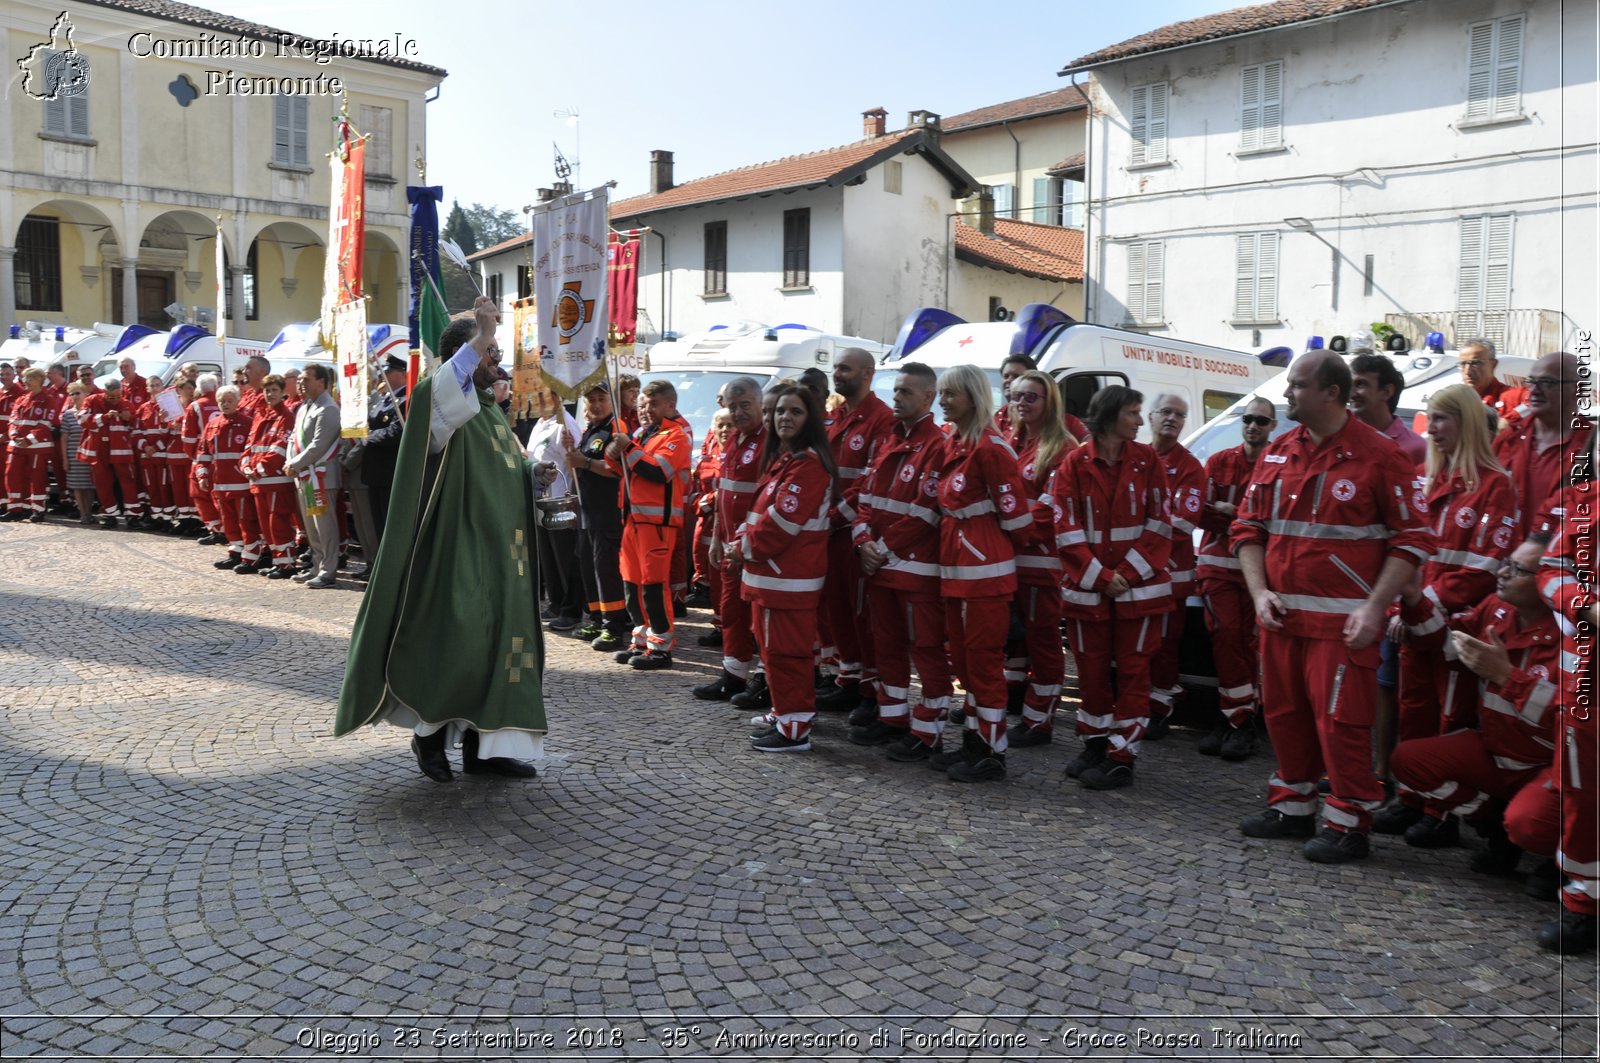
1082	358
163	353
42	344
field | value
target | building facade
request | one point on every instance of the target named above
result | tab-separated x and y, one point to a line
110	193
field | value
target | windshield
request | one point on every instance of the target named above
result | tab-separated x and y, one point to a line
106	368
1226	431
883	387
697	393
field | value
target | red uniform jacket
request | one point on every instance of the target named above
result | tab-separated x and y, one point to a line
34	421
1329	517
1505	400
1114	521
196	416
1039	562
738	478
784	538
221	448
1536	474
267	447
898	507
1186	498
1475	530
1518	728
854	438
135	392
986	516
107	431
1228	473
149	430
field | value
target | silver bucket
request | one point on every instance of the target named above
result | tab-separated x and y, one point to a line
559	513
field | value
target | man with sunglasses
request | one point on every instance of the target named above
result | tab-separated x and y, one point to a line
1230	615
1538	451
1477	361
1186	484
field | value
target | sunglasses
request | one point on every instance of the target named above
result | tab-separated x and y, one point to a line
1255	420
1026	398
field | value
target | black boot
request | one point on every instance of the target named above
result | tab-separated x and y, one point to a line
472	764
430	755
1094	751
756	696
722	688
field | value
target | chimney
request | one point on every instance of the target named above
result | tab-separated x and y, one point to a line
874	123
660	171
986	211
923	120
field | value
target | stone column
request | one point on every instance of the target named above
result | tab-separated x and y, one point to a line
236	328
130	291
8	289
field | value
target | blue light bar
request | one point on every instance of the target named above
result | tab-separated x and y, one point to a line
1314	343
921	327
1277	357
131	335
183	337
1034	323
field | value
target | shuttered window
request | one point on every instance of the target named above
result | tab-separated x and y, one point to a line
1494	68
289	131
797	248
1483	286
1255	292
67	116
1261	106
1147	124
1145	261
716	258
1005	200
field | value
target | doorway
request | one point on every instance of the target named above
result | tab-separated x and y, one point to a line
155	292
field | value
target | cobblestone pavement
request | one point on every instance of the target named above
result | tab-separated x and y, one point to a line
191	866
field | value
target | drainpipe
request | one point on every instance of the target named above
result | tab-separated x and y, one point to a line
1088	199
666	310
1016	174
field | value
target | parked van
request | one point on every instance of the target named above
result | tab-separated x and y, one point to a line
1082	358
41	344
163	353
299	344
698	365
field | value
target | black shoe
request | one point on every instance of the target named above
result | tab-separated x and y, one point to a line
506	767
958	717
1544	882
1211	744
563	624
1240	743
876	733
1336	847
907	750
609	642
987	767
1429	832
1093	752
1573	933
711	640
231	561
247	568
111	522
971	748
1501	856
722	688
626	656
840	699
1023	736
37	518
1274	824
212	539
864	713
281	572
430	756
1107	775
653	661
698	598
774	742
587	632
756	697
1396	818
1158	727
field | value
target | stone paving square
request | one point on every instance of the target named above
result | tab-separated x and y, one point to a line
192	867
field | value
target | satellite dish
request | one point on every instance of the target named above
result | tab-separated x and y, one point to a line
177	312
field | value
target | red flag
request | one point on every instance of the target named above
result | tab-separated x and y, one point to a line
352	221
622	293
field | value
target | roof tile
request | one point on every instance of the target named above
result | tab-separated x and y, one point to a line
1046	251
1056	101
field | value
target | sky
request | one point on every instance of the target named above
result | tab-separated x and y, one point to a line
720	84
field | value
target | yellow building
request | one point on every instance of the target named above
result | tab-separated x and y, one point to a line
130	126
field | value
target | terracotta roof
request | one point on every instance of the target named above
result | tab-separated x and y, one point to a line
503	245
831	167
189	15
1069	165
1240	20
1045	251
1055	101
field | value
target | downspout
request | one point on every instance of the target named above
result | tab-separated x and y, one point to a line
1088	198
1016	175
666	311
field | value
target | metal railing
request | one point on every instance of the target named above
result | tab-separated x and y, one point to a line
1515	333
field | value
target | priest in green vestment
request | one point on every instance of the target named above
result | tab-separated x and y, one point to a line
448	641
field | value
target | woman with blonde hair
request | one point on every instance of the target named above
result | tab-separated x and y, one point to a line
1472	506
1035	663
986	515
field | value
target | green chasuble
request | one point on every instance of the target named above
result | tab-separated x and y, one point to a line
449	631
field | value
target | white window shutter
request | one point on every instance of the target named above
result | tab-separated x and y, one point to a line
299	134
1041	201
1136	282
55	116
1272	104
1508	67
1496	276
1157	151
1244	277
1139	123
1250	108
280	130
1480	69
1152	281
1267	277
78	115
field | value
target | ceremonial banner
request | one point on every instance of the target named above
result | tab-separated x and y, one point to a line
341	269
570	241
622	286
351	361
432	317
222	286
424	200
530	395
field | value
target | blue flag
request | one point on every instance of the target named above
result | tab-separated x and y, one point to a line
424	200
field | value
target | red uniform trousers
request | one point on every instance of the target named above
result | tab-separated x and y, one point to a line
238	512
112	480
1045	666
704	571
785	637
910	633
849	616
647	553
274	503
1115	714
1456	773
682	560
1435	697
976	631
738	638
1231	619
1164	688
1320	699
26	479
1559	812
155	481
205	506
178	476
